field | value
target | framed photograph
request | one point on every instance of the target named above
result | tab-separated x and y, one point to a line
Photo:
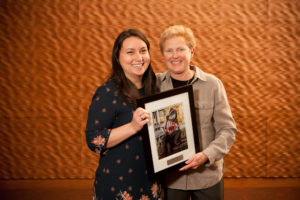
170	137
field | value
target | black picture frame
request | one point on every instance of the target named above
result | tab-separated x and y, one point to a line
168	145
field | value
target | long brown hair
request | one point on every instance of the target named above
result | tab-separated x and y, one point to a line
123	85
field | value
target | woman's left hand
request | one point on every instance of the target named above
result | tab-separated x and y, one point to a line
194	162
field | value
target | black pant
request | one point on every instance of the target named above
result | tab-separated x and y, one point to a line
215	192
171	141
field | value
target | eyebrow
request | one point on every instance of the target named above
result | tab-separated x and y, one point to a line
130	49
134	48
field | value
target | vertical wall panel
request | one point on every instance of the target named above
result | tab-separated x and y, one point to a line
55	53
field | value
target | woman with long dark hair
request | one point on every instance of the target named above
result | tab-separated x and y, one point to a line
114	122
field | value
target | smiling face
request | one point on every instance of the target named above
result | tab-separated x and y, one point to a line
177	56
134	59
172	116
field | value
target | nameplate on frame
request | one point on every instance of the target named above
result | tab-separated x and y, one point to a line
175	160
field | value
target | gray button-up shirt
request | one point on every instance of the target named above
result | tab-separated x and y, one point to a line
216	130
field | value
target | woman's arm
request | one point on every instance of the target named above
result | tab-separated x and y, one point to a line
101	118
119	134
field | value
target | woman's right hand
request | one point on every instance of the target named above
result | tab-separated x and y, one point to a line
117	135
139	119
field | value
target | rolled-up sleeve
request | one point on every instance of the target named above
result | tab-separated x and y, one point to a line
100	119
223	124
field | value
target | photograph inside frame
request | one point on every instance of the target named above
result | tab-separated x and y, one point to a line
169	136
169	129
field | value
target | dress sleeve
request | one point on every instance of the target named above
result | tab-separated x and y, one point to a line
100	120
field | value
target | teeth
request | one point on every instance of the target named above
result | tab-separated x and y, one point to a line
139	65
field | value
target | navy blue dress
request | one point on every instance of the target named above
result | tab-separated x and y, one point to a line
121	173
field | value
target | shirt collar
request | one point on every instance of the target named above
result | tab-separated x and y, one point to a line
199	74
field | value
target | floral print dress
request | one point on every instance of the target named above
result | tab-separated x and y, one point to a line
121	173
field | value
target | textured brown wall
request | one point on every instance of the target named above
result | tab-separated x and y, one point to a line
55	53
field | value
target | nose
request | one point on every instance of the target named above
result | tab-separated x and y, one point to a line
174	54
138	56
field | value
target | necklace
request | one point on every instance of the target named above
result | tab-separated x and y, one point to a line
190	81
178	83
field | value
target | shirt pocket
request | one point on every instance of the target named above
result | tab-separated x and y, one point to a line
204	111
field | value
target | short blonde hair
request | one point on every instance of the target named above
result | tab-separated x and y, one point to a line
178	30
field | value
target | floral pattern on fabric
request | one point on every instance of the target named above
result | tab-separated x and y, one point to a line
121	173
